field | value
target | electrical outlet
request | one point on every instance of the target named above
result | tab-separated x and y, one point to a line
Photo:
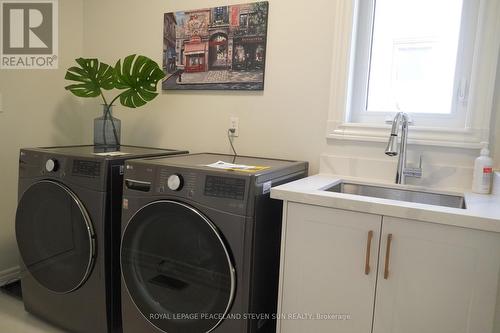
234	123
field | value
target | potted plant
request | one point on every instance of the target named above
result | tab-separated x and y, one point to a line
136	76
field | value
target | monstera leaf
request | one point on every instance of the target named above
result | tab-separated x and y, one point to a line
139	75
92	76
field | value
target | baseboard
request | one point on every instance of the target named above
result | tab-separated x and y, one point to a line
9	275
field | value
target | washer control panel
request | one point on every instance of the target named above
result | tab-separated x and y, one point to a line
86	168
51	165
225	187
175	182
193	184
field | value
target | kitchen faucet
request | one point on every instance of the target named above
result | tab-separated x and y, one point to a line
401	120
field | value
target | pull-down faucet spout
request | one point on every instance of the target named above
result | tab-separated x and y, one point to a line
401	120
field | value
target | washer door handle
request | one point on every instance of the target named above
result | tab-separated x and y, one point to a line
138	185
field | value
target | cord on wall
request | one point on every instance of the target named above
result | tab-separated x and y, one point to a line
230	138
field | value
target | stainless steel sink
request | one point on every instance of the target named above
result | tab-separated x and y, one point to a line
421	197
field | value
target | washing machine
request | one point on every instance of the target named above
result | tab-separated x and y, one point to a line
68	233
201	242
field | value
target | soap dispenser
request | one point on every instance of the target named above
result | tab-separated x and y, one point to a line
483	171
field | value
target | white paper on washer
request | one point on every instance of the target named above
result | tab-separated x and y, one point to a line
230	166
111	153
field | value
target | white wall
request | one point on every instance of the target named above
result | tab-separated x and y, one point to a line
37	112
495	121
287	120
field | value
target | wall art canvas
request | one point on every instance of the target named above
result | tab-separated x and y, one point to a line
220	48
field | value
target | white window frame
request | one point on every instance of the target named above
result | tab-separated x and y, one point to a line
477	112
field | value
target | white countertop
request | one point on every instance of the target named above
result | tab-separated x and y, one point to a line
482	213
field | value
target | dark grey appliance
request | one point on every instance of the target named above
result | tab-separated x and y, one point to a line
68	233
200	245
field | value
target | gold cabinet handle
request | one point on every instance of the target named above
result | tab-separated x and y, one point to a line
387	256
368	252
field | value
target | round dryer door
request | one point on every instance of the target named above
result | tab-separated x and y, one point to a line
177	268
55	236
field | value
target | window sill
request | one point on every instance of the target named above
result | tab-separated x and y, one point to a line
428	136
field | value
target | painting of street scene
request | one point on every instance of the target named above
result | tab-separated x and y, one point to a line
220	48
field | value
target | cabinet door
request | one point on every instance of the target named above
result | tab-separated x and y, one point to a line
441	279
324	270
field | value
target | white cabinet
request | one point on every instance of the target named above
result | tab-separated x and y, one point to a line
441	279
428	278
325	269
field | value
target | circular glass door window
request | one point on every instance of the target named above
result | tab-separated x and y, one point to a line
177	268
55	236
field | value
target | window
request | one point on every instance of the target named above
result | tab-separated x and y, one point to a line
434	59
243	20
413	56
220	15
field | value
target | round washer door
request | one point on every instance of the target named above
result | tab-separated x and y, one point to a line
176	268
55	236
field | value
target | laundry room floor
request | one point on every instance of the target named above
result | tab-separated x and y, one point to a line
14	319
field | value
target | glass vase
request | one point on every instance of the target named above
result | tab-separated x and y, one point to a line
107	129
